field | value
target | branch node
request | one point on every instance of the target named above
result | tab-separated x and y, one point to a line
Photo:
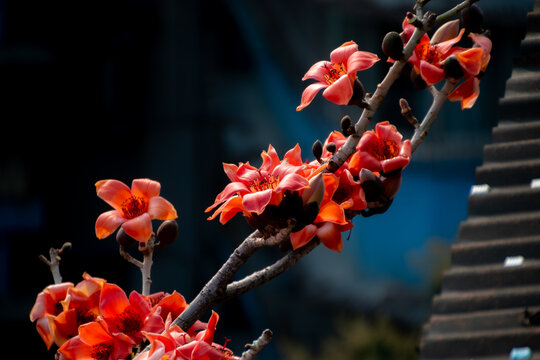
406	112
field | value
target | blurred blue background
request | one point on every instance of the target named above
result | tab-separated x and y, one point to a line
171	89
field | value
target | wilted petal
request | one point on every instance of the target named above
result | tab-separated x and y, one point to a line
340	92
447	31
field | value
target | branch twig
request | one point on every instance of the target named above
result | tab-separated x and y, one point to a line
54	261
254	348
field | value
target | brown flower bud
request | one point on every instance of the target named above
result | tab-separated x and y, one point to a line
167	233
473	18
317	150
452	68
124	239
392	45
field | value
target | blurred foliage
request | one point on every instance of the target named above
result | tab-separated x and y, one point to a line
359	338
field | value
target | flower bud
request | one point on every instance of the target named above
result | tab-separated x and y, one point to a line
358	95
372	185
124	239
452	68
446	32
473	18
331	147
346	124
417	80
392	45
166	233
317	150
315	192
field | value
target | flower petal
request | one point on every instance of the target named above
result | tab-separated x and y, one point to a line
293	182
342	53
330	236
159	208
467	92
231	208
113	300
445	46
340	92
294	156
113	192
471	60
431	74
139	228
256	202
309	94
145	187
304	236
331	212
361	60
447	31
230	171
318	70
108	222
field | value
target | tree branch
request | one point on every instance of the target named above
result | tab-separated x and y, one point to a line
438	100
270	272
54	261
254	348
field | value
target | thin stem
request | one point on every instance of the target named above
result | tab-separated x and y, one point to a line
254	348
438	100
270	272
456	9
146	268
54	261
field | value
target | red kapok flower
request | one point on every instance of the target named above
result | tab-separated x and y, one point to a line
467	92
330	221
252	189
80	306
128	316
381	150
96	342
338	75
133	208
48	302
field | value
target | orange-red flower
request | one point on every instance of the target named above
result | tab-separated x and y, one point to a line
48	302
96	342
80	306
381	150
133	208
251	190
338	75
130	316
467	92
329	223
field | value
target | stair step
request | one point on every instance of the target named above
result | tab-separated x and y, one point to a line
499	227
521	106
508	199
508	173
478	321
463	278
486	299
523	80
489	342
511	131
511	151
494	251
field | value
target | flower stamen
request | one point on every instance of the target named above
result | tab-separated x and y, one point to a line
264	183
134	206
335	71
386	149
101	351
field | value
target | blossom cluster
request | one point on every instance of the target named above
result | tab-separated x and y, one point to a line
95	319
321	203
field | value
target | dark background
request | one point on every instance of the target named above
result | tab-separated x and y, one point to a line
169	90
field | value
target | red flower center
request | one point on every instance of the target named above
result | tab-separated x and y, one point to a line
84	316
134	206
101	351
129	322
335	71
265	182
427	52
385	149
